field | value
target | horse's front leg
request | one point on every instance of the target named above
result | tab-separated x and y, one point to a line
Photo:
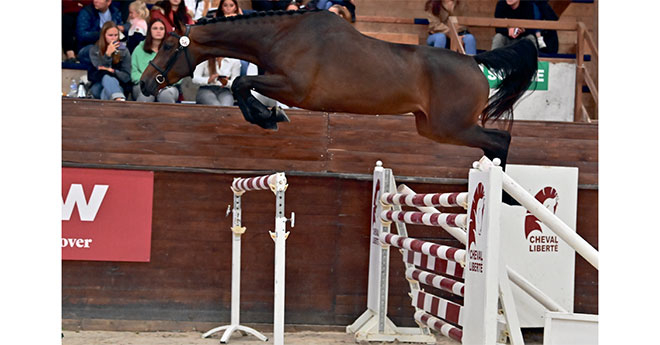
253	110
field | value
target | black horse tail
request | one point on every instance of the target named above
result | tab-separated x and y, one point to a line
516	64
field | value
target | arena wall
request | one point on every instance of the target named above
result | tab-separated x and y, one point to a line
196	151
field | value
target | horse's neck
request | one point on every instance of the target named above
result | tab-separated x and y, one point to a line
241	38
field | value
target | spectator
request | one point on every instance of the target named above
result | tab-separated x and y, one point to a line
349	4
438	13
269	5
547	40
173	13
513	9
111	61
138	14
89	23
228	8
215	77
145	52
340	11
70	10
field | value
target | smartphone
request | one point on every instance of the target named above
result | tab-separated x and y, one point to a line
122	45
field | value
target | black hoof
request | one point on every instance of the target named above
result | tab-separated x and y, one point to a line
268	125
278	115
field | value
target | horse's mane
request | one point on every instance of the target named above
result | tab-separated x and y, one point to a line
205	21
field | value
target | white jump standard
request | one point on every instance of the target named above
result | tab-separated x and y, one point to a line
277	183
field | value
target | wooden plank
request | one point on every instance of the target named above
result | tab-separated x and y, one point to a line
394	37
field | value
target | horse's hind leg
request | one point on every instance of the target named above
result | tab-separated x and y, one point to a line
253	110
494	142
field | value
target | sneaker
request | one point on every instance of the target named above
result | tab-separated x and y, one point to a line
541	42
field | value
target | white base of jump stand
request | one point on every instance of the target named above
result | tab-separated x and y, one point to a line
229	329
365	328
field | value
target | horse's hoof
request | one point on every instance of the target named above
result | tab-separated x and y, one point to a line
269	125
279	115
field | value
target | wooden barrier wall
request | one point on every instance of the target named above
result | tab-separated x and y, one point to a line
197	150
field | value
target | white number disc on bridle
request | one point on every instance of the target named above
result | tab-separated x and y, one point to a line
184	41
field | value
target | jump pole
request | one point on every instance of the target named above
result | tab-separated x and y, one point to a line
277	183
560	228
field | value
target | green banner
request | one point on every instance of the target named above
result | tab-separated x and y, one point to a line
540	82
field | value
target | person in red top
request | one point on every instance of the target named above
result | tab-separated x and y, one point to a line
173	13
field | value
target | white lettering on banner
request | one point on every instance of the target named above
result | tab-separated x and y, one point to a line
86	210
540	75
76	242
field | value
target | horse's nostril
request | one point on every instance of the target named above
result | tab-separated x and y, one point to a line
143	88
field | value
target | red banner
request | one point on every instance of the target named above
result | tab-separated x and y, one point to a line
106	214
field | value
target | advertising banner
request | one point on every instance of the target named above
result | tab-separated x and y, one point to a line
106	214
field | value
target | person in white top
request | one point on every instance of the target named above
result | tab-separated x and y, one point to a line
215	80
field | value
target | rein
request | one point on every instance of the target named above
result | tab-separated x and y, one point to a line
184	42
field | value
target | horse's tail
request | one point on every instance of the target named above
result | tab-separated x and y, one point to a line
516	64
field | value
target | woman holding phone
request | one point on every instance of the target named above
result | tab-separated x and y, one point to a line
111	61
215	79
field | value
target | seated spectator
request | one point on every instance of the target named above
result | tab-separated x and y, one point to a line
438	13
547	40
349	4
269	5
111	61
215	77
173	13
138	14
89	23
70	10
228	8
341	11
513	9
145	52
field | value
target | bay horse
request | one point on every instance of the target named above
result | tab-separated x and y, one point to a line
316	60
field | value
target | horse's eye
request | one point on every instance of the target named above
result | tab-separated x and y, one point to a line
167	46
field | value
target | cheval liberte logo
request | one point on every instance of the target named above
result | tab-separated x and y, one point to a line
540	242
106	214
475	228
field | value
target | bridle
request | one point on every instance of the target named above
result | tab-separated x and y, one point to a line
184	42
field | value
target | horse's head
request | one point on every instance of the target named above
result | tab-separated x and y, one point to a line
173	62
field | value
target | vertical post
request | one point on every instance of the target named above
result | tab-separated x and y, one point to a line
579	74
279	236
237	231
386	183
482	268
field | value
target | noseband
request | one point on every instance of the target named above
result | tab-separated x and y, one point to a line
184	42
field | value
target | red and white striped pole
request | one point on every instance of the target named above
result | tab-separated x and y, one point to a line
423	218
429	200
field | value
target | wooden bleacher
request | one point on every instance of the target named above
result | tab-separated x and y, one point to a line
397	20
